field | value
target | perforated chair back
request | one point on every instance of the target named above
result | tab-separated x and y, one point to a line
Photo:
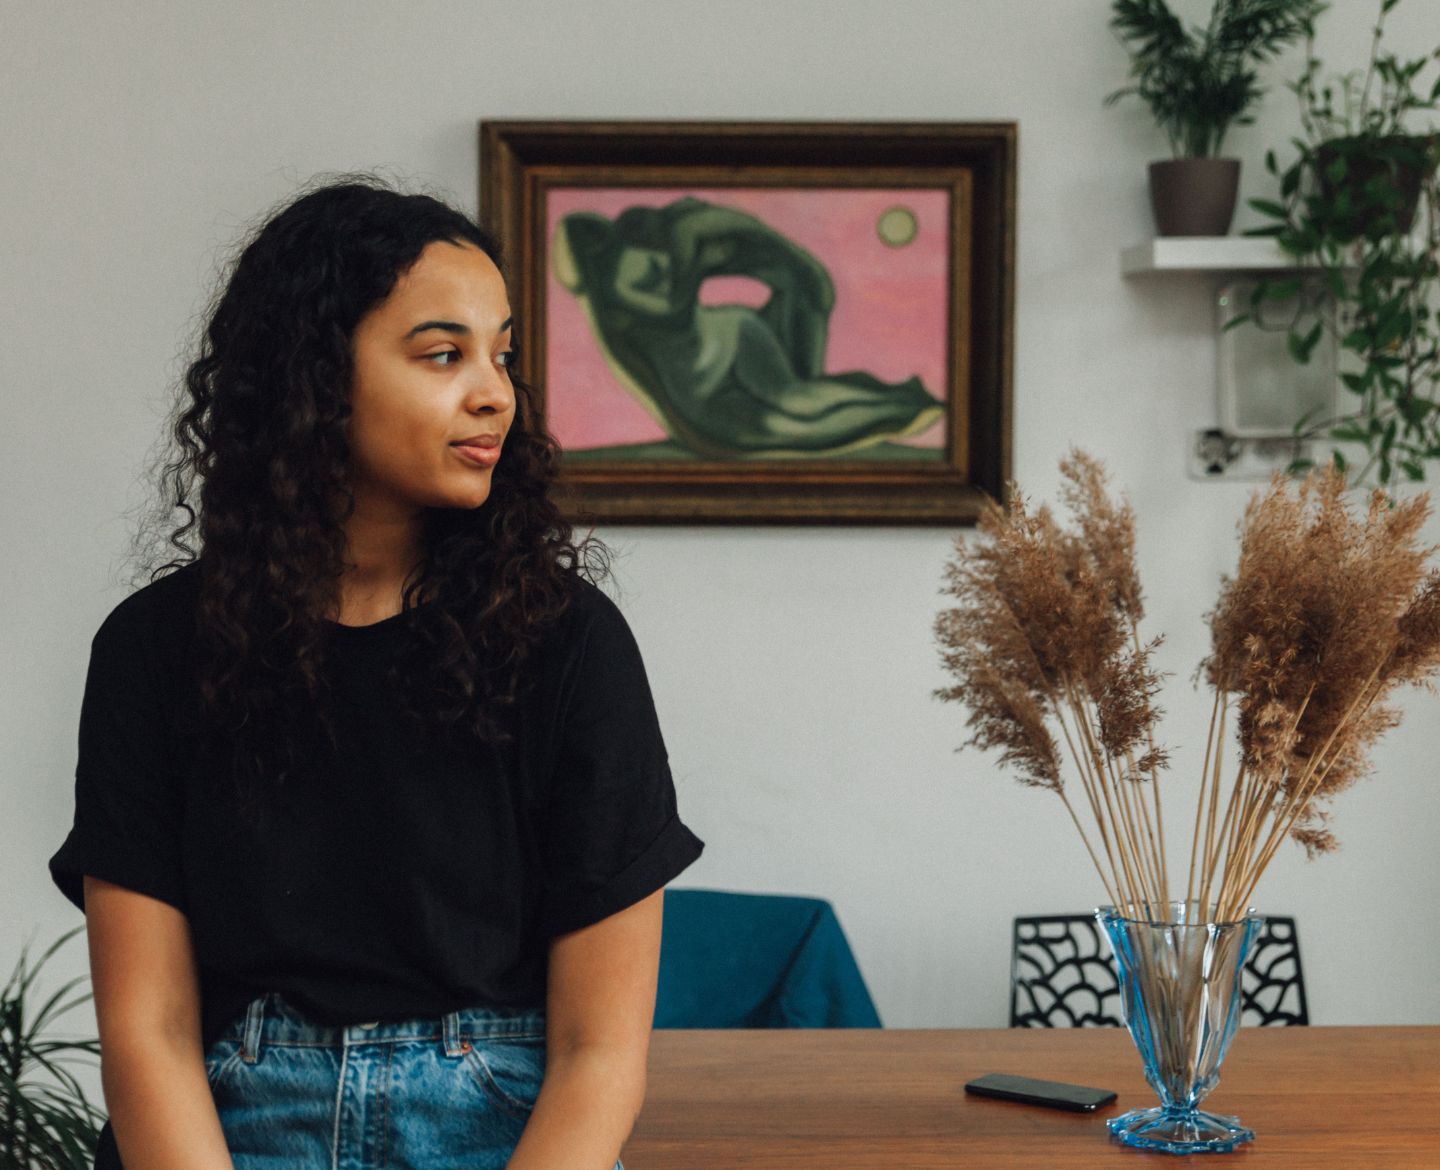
1062	975
1272	985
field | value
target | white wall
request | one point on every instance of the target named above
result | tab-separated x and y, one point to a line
792	667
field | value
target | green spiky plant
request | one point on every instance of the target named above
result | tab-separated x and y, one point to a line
46	1121
1199	82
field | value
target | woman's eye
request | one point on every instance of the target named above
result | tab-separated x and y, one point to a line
444	353
509	358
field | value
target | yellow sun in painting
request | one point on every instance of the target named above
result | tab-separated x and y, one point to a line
896	226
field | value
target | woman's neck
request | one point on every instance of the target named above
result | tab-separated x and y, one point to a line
381	556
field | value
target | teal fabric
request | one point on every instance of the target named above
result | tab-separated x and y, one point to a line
732	960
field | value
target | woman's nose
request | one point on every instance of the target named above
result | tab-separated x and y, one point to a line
490	391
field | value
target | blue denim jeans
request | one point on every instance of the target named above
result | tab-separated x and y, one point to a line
452	1093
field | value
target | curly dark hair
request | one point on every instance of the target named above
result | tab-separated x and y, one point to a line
260	423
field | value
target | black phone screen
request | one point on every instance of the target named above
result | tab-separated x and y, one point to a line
1056	1094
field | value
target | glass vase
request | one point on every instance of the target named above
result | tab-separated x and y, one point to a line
1180	989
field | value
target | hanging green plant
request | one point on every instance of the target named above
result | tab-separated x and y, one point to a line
1360	206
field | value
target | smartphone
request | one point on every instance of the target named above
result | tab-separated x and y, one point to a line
1055	1094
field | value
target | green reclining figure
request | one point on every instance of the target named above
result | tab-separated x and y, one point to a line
726	381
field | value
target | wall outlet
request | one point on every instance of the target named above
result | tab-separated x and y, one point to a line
1216	454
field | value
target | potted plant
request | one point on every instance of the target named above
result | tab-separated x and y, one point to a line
1198	83
1330	611
45	1117
1360	205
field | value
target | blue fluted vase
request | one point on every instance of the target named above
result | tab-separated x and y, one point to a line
1180	988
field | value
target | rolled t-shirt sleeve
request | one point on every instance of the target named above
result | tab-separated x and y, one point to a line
613	834
128	801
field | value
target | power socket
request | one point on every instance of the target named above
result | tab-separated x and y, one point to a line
1214	454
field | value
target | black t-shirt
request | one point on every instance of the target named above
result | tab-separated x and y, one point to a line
403	875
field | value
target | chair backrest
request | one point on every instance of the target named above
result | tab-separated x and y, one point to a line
1062	975
1272	986
739	960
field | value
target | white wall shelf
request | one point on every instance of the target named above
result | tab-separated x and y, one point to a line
1215	452
1206	254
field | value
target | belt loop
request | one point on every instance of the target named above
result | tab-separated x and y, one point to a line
450	1029
254	1018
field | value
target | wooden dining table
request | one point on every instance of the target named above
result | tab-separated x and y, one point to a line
1347	1098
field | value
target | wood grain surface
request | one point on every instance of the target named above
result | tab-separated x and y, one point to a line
1318	1098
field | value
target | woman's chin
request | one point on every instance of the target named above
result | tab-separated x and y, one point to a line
470	500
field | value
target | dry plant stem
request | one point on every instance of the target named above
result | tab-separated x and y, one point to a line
1110	882
1144	858
1123	843
1153	835
1124	830
1238	857
1242	856
1160	836
1146	834
1082	765
1241	884
1200	805
1129	876
1091	795
1087	782
1211	784
1155	792
1085	779
1242	796
1209	858
1104	880
1121	805
1252	800
1230	833
1248	793
1309	783
1126	799
1314	775
1236	814
1211	828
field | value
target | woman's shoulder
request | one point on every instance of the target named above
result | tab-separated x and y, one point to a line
590	609
593	639
161	611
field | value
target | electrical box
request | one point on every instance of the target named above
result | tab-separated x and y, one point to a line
1263	391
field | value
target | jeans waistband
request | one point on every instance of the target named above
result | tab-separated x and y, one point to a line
270	1019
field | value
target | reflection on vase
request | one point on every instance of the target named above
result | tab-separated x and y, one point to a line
1180	989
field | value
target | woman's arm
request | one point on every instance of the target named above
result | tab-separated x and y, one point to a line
147	1003
600	1006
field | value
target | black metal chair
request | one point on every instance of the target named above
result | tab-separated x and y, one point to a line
1062	975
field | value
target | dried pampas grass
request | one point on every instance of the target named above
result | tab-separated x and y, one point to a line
1328	611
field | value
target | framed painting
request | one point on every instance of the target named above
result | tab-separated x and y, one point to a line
763	322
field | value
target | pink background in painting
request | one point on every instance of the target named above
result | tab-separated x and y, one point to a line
891	303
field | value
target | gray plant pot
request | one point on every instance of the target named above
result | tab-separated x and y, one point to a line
1194	196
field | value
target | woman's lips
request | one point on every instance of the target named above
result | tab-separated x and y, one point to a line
478	455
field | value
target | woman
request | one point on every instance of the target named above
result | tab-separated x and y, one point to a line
373	815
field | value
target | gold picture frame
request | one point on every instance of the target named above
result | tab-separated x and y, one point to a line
763	322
